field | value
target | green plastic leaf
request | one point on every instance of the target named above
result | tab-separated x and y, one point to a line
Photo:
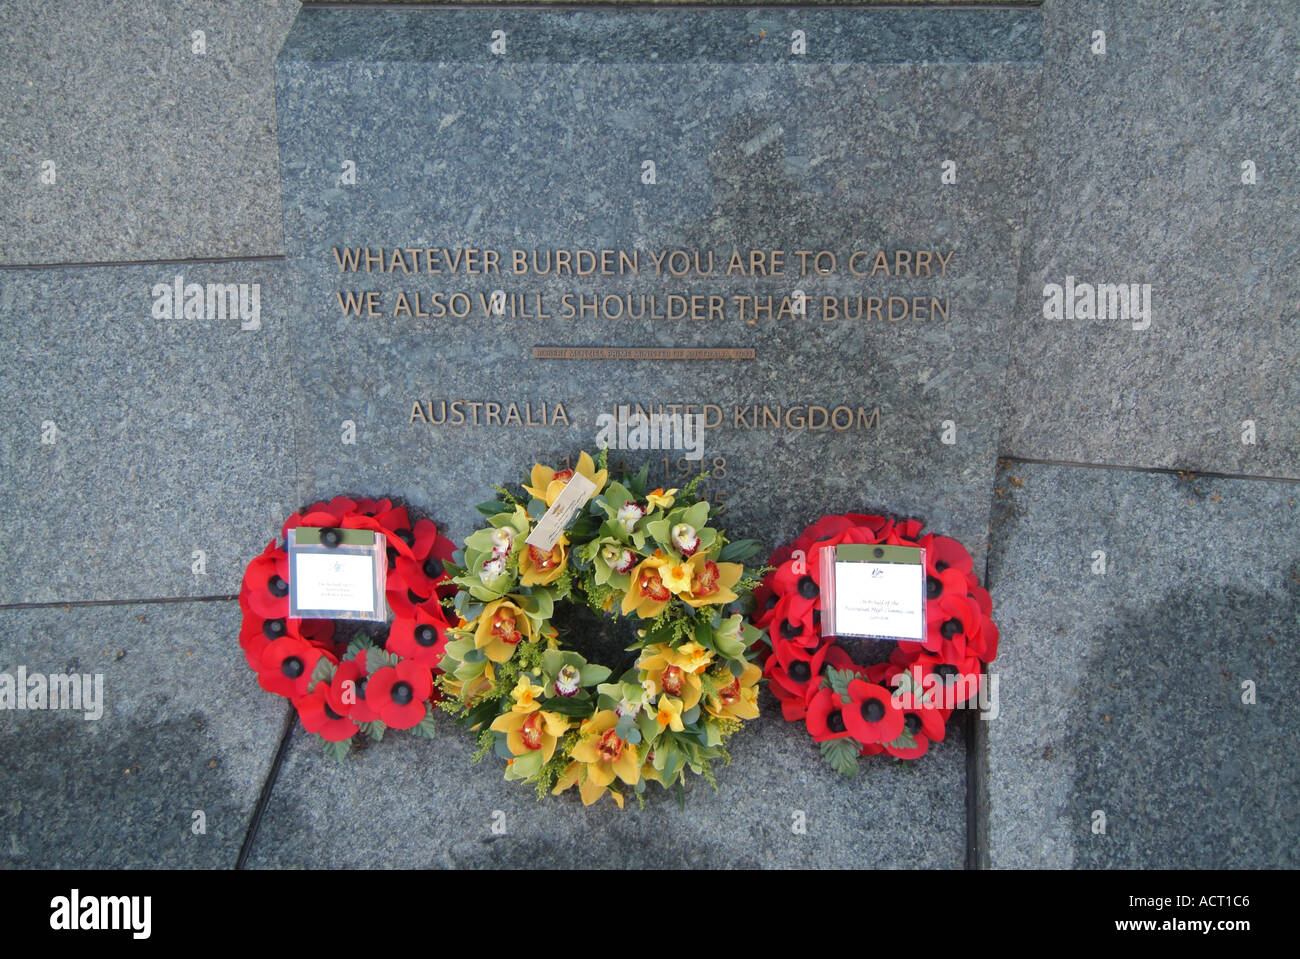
492	507
337	751
425	726
842	754
904	741
374	730
322	673
838	680
377	659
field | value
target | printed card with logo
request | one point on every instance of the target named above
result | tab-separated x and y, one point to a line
337	574
873	592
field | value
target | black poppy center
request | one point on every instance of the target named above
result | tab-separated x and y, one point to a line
946	672
276	586
405	536
292	667
835	722
415	598
940	566
392	556
402	693
790	630
273	628
330	537
433	567
912	723
873	711
800	671
330	713
933	587
817	617
808	588
361	687
950	628
426	635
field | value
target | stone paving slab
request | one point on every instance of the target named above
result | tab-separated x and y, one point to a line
1121	692
1139	181
130	442
415	803
159	152
184	728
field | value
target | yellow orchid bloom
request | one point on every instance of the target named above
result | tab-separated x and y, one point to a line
668	712
499	629
537	568
547	483
711	582
527	732
662	668
603	757
590	791
648	595
661	499
738	699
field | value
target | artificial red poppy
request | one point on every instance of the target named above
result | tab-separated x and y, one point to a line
347	690
256	635
765	599
837	524
943	552
319	716
949	620
286	666
945	684
423	574
421	637
264	591
871	714
321	514
925	724
399	693
826	719
795	620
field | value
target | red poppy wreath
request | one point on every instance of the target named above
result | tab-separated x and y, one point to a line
369	682
898	707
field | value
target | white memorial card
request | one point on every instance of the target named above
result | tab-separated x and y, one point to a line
337	574
557	518
874	592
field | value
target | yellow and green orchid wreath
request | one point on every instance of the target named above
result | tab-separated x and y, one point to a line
649	556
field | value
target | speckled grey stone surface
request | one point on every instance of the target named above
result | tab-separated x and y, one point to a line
1123	692
544	150
159	152
1138	176
168	436
415	803
183	730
